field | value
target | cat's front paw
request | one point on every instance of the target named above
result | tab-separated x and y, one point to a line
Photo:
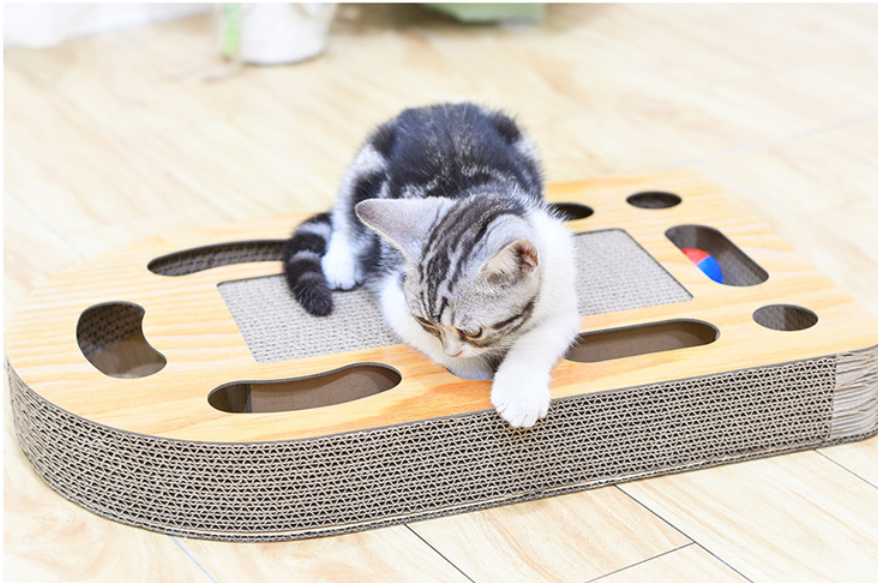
340	268
521	399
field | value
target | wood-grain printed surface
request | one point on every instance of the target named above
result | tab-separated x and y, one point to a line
188	323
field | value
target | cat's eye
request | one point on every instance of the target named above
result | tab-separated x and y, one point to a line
471	335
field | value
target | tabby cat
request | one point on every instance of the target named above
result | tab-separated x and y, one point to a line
442	217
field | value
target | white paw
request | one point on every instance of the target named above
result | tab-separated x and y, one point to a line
521	399
340	268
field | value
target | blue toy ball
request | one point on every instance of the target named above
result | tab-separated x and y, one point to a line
705	262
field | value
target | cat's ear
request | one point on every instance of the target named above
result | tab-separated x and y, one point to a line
512	263
404	223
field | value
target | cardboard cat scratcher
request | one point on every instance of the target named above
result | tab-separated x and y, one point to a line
175	385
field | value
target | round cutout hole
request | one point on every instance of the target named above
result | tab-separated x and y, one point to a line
785	317
571	211
654	199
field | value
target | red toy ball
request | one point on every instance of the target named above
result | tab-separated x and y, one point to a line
705	262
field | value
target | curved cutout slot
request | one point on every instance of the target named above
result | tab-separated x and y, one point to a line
339	386
111	337
571	211
644	339
202	258
785	317
737	268
654	199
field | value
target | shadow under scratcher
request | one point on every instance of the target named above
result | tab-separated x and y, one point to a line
613	273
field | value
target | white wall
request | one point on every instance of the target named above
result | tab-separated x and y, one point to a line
39	25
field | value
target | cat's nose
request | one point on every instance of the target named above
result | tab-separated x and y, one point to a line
452	346
453	350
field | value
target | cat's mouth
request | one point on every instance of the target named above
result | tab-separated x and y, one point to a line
464	351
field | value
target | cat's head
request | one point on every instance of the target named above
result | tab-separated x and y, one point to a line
471	267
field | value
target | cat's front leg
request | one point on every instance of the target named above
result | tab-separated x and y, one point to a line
340	265
520	392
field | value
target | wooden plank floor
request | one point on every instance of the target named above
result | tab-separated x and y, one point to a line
109	139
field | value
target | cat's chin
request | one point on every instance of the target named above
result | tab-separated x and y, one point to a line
472	375
471	369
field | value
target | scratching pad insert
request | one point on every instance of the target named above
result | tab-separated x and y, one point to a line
172	386
613	273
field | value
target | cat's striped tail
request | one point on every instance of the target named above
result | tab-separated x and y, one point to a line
301	259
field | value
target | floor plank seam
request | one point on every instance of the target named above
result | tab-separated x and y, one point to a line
678	529
641	562
193	559
845	468
435	550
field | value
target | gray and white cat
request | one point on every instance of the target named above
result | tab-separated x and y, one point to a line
442	217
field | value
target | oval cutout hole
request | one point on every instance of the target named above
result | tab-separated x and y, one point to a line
737	268
571	211
202	258
645	339
339	386
654	199
111	337
785	317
